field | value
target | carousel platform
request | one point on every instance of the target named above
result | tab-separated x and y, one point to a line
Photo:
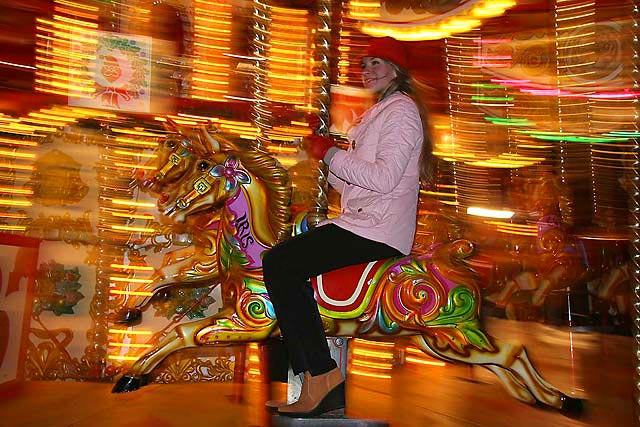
588	365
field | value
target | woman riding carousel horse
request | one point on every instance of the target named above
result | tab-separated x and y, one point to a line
378	178
433	297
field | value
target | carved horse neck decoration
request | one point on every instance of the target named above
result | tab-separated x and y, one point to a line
254	197
173	163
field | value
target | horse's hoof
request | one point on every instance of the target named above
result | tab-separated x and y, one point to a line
126	384
571	406
129	317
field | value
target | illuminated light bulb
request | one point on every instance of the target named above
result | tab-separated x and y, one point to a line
121	344
489	213
370	374
129	280
135	293
132	267
129	332
124	358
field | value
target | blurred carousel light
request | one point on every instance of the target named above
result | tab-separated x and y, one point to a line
123	216
633	50
289	74
418	357
254	364
489	213
425	24
613	113
468	131
121	340
352	44
575	41
212	44
530	230
372	358
13	64
60	43
116	331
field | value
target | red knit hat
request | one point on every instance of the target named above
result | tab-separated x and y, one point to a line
390	49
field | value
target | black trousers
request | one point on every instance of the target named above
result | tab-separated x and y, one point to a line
287	268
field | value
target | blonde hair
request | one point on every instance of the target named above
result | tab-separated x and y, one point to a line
404	83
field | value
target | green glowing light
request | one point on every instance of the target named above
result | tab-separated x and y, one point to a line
628	133
509	121
487	85
491	98
574	138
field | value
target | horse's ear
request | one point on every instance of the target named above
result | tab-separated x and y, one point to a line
183	131
219	142
170	125
213	142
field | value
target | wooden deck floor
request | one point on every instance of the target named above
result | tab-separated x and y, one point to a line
593	366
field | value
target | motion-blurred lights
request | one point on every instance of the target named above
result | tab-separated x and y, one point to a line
427	28
489	213
129	332
493	8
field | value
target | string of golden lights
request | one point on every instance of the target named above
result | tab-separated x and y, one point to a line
428	27
212	44
60	49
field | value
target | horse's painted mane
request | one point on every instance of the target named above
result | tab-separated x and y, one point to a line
275	178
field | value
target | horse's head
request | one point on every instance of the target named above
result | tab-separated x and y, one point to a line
172	160
176	156
249	180
213	180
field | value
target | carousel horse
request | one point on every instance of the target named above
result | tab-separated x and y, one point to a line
554	259
194	260
563	261
611	285
432	297
554	263
615	286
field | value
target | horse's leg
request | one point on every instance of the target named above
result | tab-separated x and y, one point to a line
172	263
510	381
213	330
131	312
547	284
501	298
514	386
174	260
171	274
180	337
514	369
522	281
623	304
511	311
612	280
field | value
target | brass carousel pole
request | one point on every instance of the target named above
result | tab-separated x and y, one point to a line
96	353
259	45
318	211
338	346
635	208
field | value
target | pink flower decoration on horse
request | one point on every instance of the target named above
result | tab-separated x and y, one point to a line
231	173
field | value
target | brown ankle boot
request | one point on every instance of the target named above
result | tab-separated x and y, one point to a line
273	405
323	393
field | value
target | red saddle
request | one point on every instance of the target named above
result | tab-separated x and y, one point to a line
343	290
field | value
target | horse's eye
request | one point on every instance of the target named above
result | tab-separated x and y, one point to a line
171	143
203	165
